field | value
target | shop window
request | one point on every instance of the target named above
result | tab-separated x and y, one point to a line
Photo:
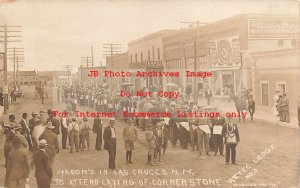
142	57
264	93
131	58
281	87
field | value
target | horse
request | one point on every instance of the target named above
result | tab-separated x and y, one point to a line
240	105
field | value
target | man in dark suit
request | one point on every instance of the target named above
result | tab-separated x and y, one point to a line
165	137
208	95
1	97
109	137
52	142
218	138
158	141
32	121
23	123
17	166
43	169
231	133
251	106
97	129
25	131
285	108
55	122
8	146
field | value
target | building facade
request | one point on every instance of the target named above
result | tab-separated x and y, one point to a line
117	63
83	78
276	70
147	54
222	47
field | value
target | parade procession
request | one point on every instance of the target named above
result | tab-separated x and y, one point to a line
208	103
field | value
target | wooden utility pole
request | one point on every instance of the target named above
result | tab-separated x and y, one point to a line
111	50
85	62
16	56
69	69
5	30
195	87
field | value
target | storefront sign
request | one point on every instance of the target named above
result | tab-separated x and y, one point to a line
154	63
274	28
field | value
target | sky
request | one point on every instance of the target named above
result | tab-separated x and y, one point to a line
59	32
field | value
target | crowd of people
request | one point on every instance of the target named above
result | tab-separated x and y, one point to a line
281	107
201	134
39	136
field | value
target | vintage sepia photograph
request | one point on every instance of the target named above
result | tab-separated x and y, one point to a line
149	93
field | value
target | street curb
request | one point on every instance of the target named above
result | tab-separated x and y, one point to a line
278	123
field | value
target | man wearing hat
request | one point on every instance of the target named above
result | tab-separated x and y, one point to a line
146	108
150	138
193	121
85	133
12	118
158	141
285	109
10	136
154	109
174	123
251	106
23	122
73	132
55	123
279	108
97	129
52	141
231	133
165	137
109	137
217	139
184	133
202	136
17	166
64	121
17	129
130	136
32	121
43	168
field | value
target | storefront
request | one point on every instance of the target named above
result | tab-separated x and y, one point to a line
226	81
277	70
147	81
226	66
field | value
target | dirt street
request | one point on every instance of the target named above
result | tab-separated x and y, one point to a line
267	156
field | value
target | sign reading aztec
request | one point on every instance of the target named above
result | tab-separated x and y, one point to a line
274	28
226	52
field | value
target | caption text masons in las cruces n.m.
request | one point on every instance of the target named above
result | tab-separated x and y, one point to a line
132	177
